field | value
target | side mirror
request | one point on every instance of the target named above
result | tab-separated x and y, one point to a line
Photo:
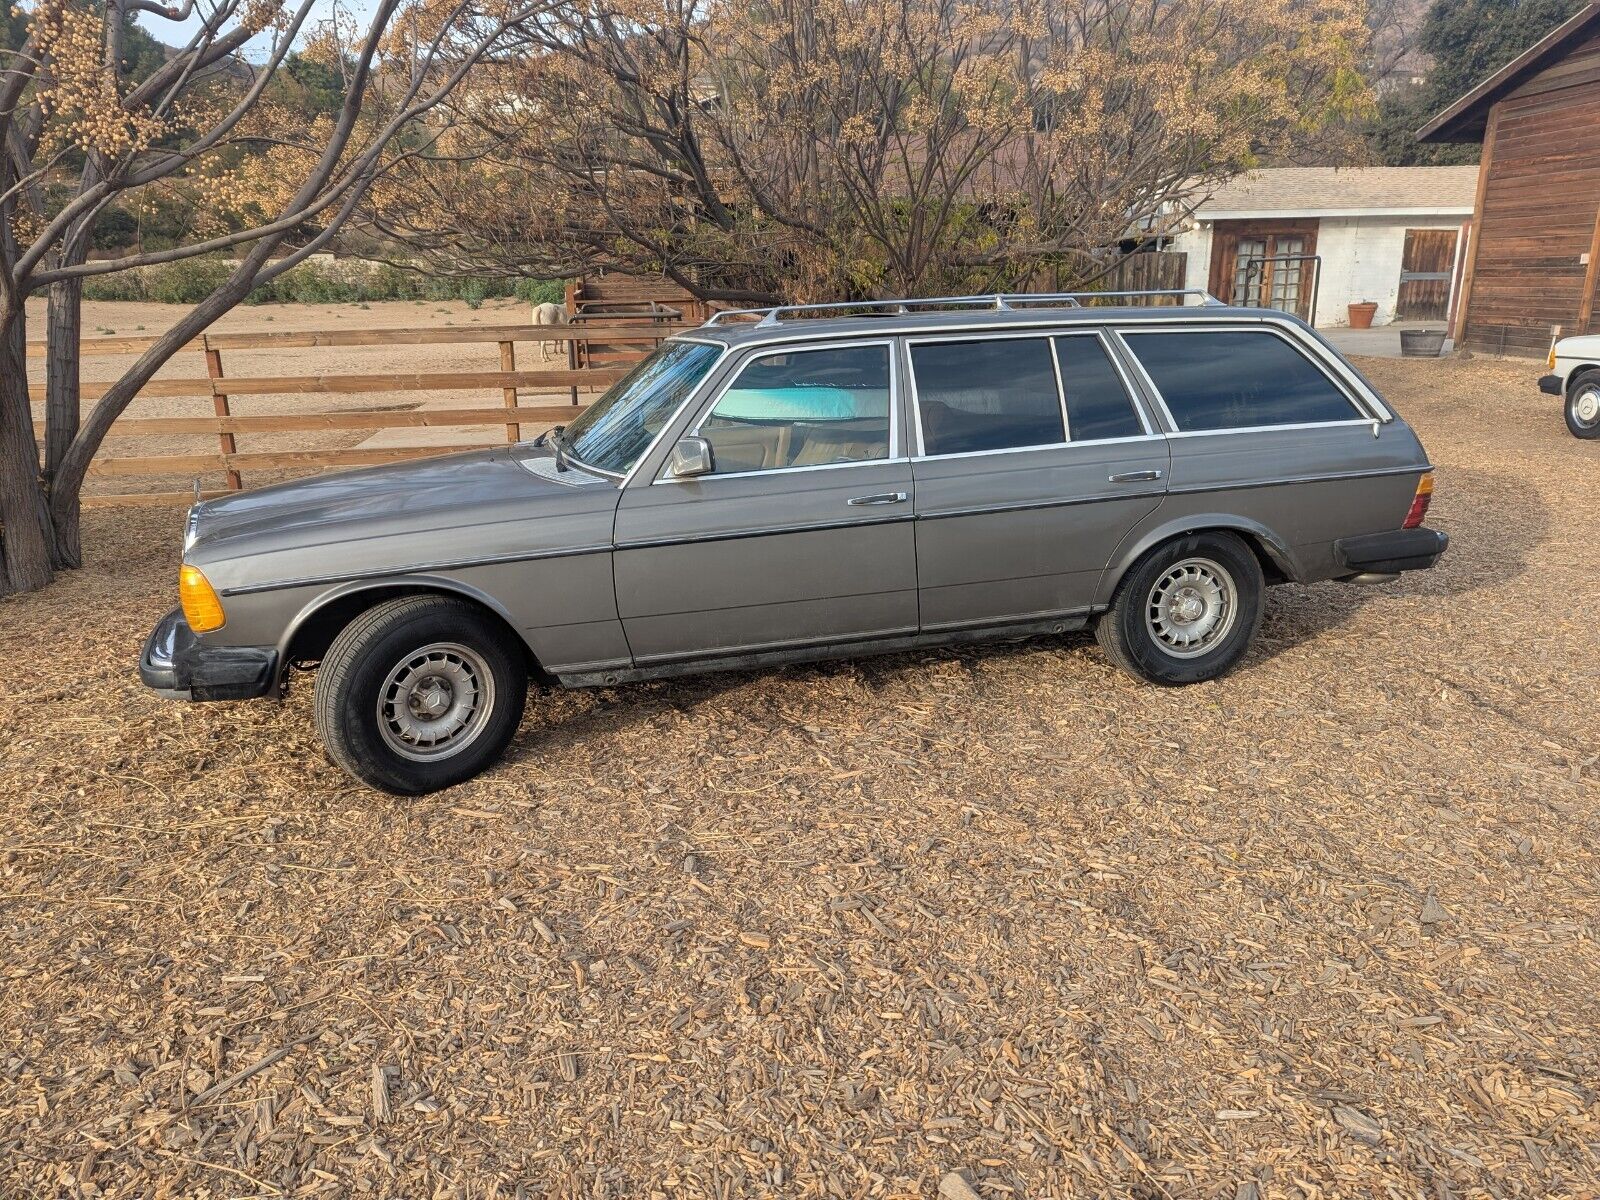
691	457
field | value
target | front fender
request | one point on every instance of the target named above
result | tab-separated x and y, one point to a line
420	582
1139	542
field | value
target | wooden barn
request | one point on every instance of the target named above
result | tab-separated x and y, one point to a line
1533	261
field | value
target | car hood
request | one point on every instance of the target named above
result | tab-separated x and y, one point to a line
1585	346
419	502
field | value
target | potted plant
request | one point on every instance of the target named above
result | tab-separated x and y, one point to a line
1361	314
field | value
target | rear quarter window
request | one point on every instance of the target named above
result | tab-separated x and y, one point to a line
1237	379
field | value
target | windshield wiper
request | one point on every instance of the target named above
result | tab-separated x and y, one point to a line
557	443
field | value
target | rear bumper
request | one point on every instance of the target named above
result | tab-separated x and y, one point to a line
177	666
1550	385
1392	552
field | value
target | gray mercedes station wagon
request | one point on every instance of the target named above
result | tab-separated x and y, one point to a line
800	483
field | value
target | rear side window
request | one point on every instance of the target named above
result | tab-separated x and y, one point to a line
989	394
1236	379
1098	406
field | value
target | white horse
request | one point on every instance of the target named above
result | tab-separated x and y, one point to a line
549	314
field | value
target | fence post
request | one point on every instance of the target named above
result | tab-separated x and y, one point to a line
572	363
508	362
219	404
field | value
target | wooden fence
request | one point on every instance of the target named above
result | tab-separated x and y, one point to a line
228	426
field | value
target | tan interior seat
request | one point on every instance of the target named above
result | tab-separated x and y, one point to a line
748	447
840	445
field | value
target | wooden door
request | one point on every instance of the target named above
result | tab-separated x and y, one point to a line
1267	264
1425	269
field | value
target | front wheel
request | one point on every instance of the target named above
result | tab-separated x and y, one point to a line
419	693
1186	612
1583	406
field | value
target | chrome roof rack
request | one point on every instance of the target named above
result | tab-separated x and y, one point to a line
1000	301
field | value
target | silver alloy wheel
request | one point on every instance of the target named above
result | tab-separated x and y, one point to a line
1586	407
1191	607
435	702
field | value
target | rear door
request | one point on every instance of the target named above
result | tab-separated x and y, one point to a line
802	532
1033	461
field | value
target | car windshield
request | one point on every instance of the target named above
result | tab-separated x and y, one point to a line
616	429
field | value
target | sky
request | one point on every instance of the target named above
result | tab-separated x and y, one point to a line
175	33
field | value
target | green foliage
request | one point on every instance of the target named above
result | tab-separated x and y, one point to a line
311	86
541	291
1468	40
317	282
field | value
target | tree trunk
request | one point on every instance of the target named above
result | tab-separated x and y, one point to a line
26	537
63	399
64	328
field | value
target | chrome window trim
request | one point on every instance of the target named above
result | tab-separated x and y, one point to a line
1138	437
677	415
1274	329
865	462
763	351
1363	422
1061	392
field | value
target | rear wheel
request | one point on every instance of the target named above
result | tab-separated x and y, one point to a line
419	693
1186	612
1583	405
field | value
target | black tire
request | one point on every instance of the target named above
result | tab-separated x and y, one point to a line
1583	396
377	664
1225	580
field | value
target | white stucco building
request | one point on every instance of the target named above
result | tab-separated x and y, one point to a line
1392	236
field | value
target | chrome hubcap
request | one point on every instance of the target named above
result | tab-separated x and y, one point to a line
1586	405
435	701
1191	607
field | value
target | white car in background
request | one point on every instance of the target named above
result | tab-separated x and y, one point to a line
1575	362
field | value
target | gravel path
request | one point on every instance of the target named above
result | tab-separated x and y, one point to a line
1323	928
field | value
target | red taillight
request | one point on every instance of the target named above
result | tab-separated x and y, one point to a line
1419	502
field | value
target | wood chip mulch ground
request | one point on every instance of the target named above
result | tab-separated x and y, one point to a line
997	922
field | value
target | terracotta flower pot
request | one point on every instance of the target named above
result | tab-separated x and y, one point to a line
1361	314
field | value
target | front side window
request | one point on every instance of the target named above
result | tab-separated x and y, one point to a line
1098	406
1237	379
989	394
803	408
616	429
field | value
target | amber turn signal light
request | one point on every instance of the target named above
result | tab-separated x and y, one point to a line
202	607
1419	502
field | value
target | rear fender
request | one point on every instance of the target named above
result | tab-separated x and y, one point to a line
1140	542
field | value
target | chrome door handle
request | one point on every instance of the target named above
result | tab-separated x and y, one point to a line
1134	476
881	498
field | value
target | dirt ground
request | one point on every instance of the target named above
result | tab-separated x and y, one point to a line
1323	928
104	318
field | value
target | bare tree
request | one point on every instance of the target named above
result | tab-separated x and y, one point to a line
280	190
842	148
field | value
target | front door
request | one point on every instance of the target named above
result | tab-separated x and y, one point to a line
801	534
1034	463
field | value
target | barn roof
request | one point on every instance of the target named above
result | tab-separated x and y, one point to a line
1467	119
1343	191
